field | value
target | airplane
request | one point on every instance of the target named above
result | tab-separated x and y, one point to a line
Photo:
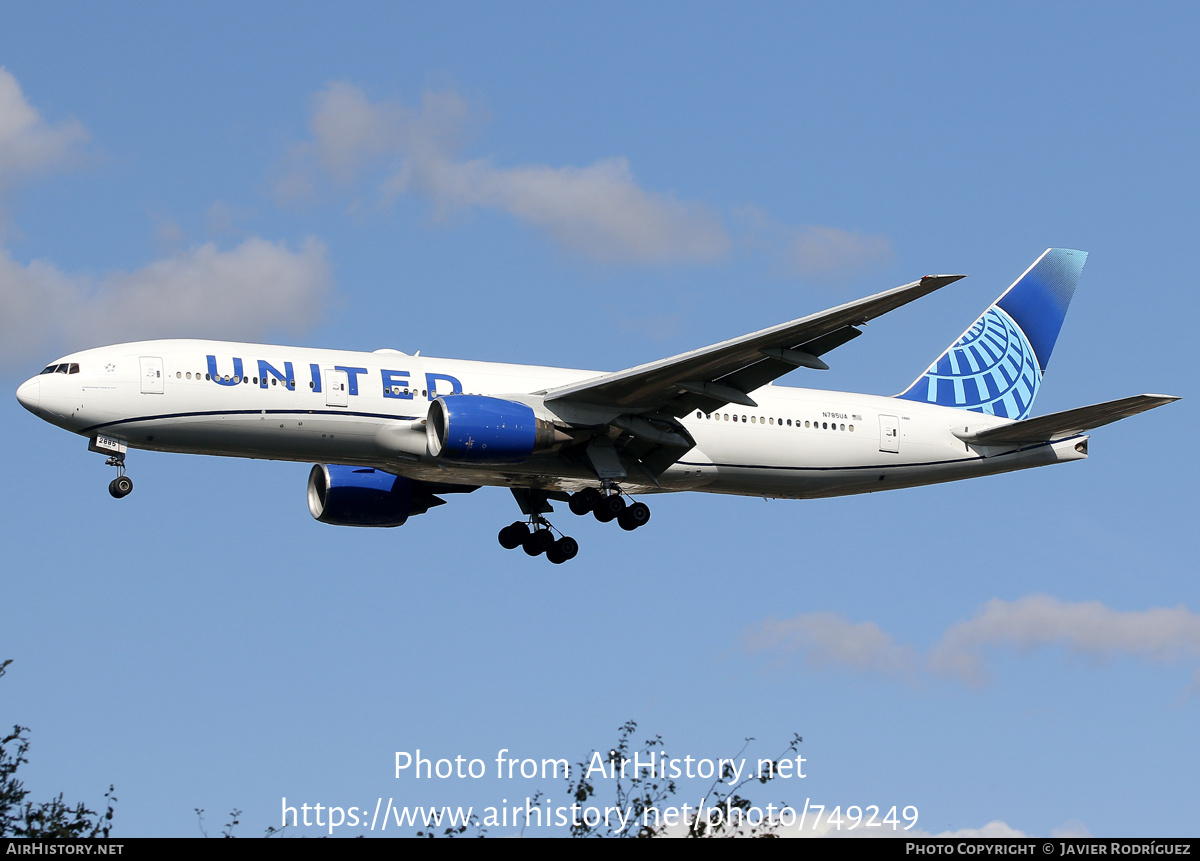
391	433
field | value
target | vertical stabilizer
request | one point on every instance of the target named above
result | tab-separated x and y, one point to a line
996	366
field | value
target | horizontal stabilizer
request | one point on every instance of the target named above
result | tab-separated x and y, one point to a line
1066	423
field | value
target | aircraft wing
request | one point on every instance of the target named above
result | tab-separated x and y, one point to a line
723	373
1067	423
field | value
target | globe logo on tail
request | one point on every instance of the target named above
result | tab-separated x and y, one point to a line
991	369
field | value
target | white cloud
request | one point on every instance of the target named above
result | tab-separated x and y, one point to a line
28	144
1071	828
1036	621
1087	628
827	639
996	829
245	292
829	252
598	210
820	826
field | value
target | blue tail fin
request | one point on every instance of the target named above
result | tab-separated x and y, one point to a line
996	366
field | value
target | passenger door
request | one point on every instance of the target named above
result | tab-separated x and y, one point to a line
889	433
152	375
337	388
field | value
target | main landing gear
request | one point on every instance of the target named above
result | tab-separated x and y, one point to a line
609	505
122	485
536	538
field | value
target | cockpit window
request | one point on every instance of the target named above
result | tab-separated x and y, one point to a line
74	369
61	369
49	369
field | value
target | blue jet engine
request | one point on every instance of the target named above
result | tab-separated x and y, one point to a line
483	430
361	496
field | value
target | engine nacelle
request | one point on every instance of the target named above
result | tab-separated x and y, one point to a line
361	496
479	429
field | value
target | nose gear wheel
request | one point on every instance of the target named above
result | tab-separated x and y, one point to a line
122	485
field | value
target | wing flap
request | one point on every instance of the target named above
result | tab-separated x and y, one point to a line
1067	423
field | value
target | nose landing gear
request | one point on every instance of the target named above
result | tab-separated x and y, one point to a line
122	485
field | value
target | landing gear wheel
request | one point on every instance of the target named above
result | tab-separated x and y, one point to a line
538	542
610	508
564	548
585	500
634	516
513	536
120	487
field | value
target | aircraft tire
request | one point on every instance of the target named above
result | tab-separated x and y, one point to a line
634	516
538	542
610	508
584	501
513	535
120	487
566	548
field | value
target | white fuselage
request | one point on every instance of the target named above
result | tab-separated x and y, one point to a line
329	406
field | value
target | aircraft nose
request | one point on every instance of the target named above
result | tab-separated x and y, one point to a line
30	394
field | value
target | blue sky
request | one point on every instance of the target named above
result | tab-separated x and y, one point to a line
597	187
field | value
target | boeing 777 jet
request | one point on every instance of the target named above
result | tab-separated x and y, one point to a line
391	433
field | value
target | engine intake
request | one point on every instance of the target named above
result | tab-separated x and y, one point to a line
479	429
360	496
